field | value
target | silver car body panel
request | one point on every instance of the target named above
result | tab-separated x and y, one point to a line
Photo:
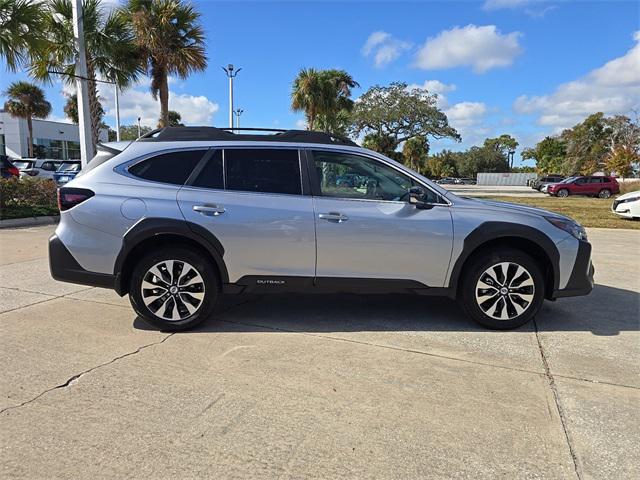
262	234
270	234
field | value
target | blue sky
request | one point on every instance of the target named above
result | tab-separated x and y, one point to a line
524	67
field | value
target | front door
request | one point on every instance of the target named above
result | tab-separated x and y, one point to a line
252	201
366	228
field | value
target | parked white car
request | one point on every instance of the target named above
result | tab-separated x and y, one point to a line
40	168
627	205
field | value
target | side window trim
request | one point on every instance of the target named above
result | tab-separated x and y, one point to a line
200	166
314	180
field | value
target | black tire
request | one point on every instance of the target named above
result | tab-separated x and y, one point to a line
604	193
187	293
562	193
477	267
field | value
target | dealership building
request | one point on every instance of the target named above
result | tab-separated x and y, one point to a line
52	140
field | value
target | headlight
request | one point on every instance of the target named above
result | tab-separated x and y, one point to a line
569	226
632	199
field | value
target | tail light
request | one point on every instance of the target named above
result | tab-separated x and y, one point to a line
70	197
14	171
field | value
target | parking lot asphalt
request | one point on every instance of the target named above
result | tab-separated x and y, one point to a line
317	386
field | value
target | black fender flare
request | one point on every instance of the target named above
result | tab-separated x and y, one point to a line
491	231
152	227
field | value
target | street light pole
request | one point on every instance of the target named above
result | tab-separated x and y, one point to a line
139	133
117	113
238	112
84	117
231	73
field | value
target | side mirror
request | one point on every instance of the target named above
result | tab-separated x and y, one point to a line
416	198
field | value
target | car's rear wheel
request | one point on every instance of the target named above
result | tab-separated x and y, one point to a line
604	193
502	289
563	193
174	289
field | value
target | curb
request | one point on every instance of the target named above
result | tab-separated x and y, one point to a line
29	221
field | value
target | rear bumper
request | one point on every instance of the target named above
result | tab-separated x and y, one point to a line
65	268
581	279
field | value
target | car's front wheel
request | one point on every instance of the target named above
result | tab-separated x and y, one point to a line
502	289
604	193
563	193
174	289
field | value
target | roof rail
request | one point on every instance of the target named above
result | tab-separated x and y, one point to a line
177	134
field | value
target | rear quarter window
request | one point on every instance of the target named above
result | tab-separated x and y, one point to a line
171	167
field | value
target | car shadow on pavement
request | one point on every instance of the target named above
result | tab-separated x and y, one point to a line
606	311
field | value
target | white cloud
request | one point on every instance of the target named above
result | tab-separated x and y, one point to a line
480	47
384	48
612	88
533	8
137	102
500	4
437	87
466	113
469	119
301	124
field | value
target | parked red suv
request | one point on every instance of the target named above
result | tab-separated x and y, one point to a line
595	186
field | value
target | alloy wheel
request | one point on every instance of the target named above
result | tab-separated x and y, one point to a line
563	193
172	290
604	193
505	291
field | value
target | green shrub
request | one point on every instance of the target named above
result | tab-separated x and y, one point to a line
27	197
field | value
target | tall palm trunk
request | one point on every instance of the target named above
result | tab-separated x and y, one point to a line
30	129
311	118
94	104
163	93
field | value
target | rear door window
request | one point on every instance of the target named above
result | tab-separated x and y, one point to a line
170	167
212	175
265	170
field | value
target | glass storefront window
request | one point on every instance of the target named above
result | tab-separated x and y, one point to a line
57	149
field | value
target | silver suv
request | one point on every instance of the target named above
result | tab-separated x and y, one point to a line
186	214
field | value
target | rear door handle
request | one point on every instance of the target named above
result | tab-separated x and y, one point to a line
333	217
209	210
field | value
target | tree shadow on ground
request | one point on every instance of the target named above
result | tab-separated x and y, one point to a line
606	311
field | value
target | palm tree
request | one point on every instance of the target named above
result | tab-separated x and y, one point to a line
171	39
27	101
20	31
414	153
110	50
322	95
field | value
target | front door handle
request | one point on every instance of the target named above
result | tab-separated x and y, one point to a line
333	217
209	210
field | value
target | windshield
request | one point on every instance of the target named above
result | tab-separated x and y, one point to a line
23	165
69	167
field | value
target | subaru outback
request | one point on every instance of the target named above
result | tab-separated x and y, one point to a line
186	214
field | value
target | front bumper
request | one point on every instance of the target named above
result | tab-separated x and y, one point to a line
65	268
581	279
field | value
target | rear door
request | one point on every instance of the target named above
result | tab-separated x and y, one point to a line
252	200
581	186
365	227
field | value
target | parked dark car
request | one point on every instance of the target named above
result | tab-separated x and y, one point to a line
66	172
593	186
539	182
8	169
446	181
465	181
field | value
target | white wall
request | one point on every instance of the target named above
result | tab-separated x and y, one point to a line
510	179
16	133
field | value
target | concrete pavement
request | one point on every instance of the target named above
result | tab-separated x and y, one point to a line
310	386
